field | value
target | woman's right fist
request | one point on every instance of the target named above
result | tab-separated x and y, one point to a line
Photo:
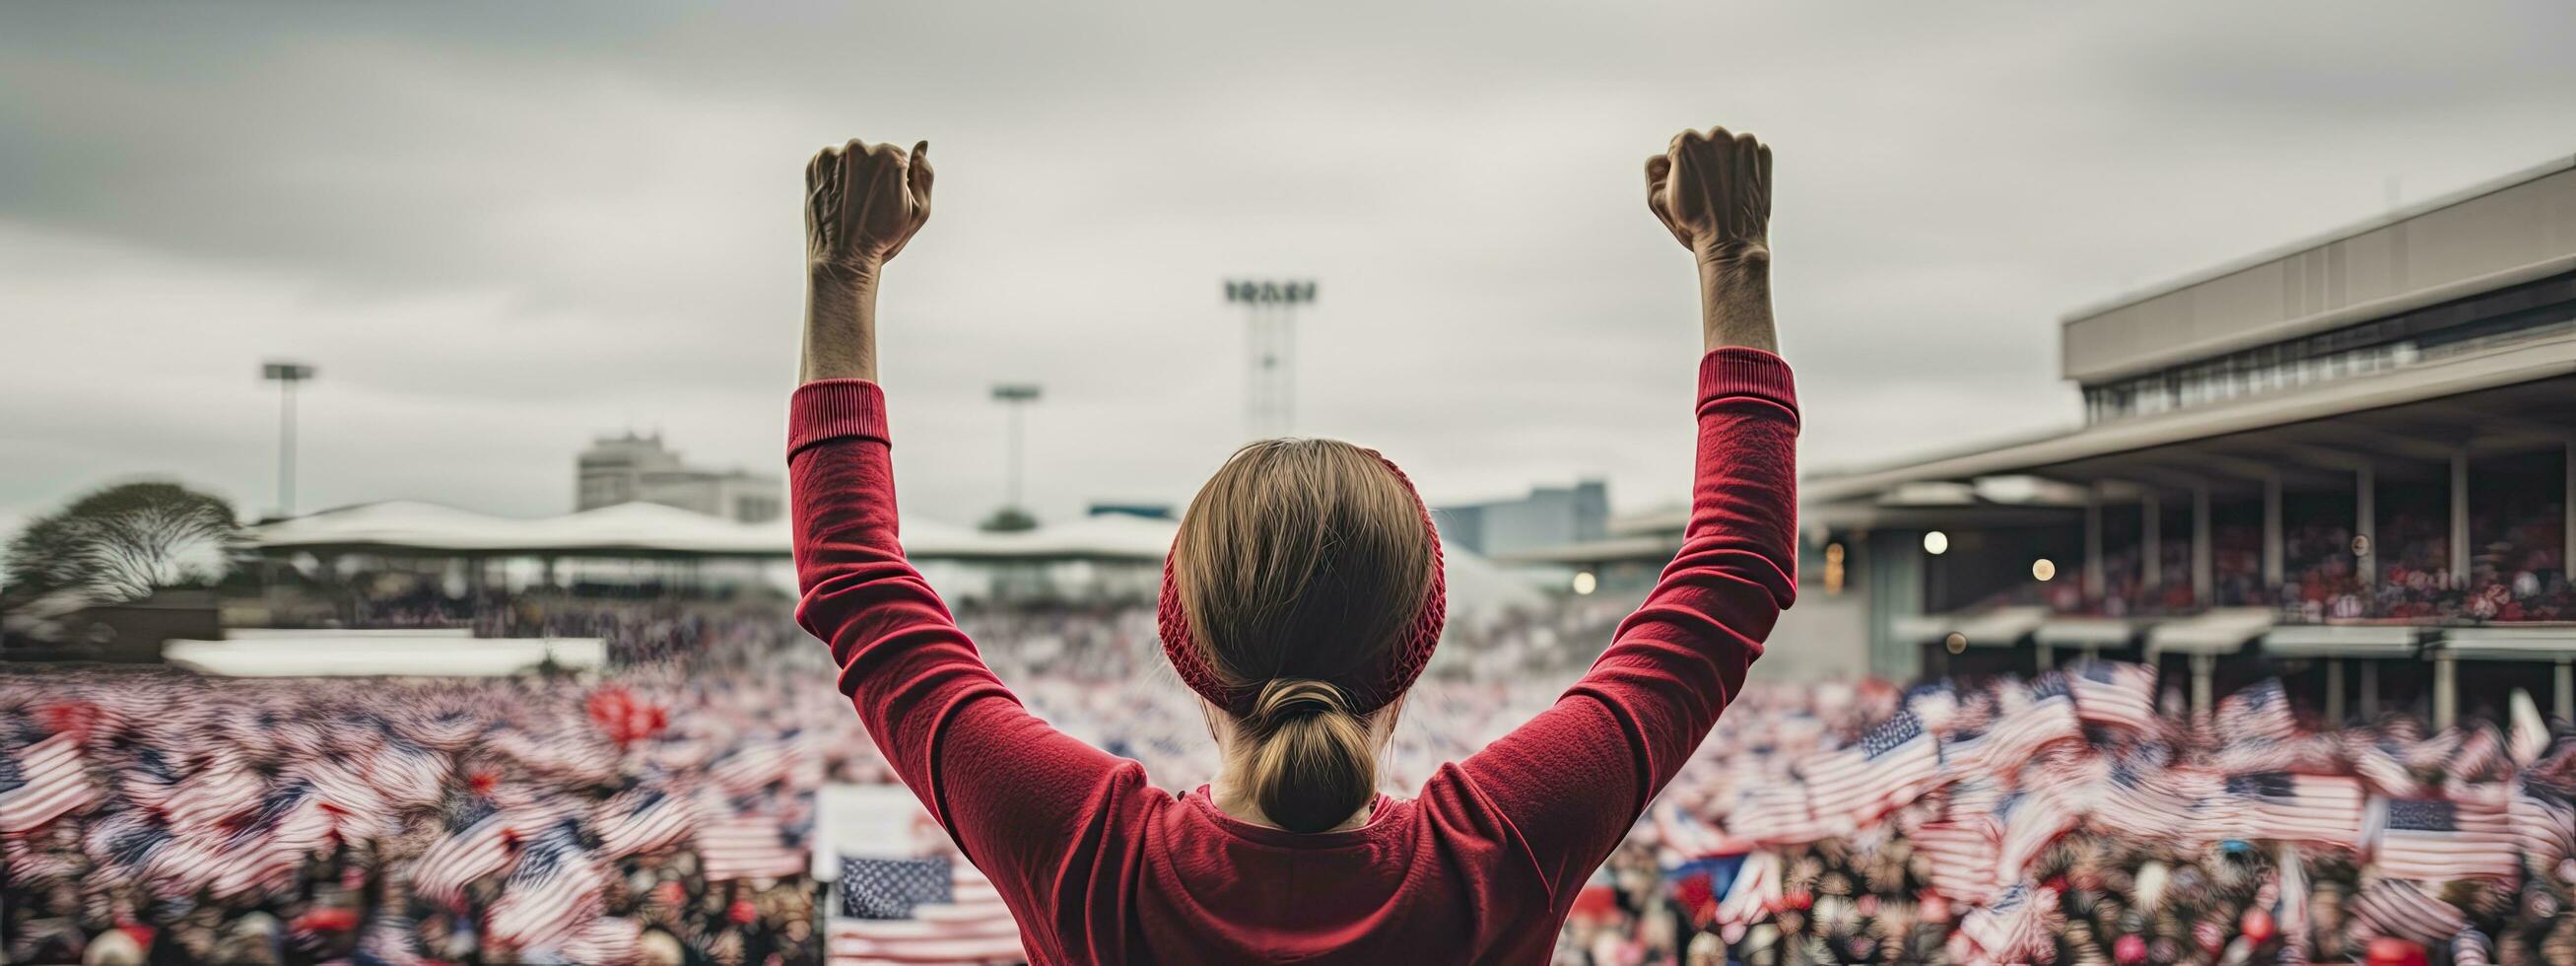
1714	191
862	203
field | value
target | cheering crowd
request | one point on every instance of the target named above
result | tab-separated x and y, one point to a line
662	811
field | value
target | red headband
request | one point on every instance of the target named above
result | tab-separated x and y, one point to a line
1369	688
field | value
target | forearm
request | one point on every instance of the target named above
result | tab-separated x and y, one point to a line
1735	299
841	323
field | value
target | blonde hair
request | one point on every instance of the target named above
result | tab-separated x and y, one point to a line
1301	561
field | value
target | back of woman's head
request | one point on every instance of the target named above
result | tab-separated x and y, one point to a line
1306	572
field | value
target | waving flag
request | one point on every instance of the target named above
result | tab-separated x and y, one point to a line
478	843
1893	763
2326	810
2043	714
2544	822
933	910
2258	713
2394	907
644	819
552	894
2115	694
1963	857
742	841
42	782
2436	840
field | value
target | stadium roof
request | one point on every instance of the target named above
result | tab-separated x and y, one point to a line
647	529
2495	399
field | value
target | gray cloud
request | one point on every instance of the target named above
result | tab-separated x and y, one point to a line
502	229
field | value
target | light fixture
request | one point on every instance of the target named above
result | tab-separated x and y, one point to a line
2043	569
1584	582
1936	542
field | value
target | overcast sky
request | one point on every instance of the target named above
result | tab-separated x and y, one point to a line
499	231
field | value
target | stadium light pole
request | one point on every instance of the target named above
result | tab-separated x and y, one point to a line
1270	389
1017	396
286	375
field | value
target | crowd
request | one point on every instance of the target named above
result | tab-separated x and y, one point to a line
2519	575
662	810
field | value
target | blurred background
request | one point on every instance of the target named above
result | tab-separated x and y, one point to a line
390	419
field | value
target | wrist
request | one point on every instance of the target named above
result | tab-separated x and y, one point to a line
1732	256
844	273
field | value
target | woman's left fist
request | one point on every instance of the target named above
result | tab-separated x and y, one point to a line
862	203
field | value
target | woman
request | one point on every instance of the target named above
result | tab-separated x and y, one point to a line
1301	598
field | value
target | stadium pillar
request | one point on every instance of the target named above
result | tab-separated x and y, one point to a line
2202	666
2365	524
2446	690
2567	535
2093	544
2202	592
2562	701
2151	538
2272	530
2459	544
2334	692
2369	688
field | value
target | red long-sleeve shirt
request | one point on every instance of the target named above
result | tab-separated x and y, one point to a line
1100	867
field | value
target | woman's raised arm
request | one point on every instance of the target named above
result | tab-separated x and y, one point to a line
1573	779
1010	789
862	203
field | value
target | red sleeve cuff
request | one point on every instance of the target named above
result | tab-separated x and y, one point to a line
830	409
1738	371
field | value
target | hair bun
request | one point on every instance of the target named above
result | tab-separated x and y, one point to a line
1288	699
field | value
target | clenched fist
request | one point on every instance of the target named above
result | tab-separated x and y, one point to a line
862	203
1714	191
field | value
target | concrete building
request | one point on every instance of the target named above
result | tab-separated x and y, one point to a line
633	468
1549	516
2347	462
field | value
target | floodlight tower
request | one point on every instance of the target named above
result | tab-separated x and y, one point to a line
286	375
1270	389
1017	396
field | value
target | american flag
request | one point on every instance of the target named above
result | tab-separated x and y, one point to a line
2394	907
2258	713
929	910
643	819
552	893
1962	856
2479	754
1776	813
2326	810
478	843
2436	840
740	839
2115	694
1893	763
41	782
2029	821
2544	822
2042	715
2145	802
2377	762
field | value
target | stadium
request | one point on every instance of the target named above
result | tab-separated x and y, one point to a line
2269	658
2214	646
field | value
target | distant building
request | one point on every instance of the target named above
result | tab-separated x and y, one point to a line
1550	516
633	468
